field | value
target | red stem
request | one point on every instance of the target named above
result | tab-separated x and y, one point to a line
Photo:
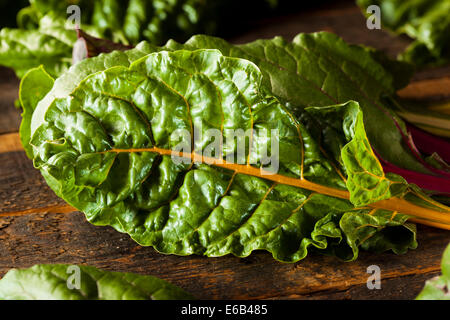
429	143
424	181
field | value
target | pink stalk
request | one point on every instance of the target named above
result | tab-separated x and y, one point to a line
429	143
424	181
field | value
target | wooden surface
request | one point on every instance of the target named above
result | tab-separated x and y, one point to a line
38	227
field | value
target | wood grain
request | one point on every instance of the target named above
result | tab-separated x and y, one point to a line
21	186
68	238
9	120
10	142
38	227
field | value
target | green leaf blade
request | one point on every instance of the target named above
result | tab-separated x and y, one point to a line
59	282
34	86
110	156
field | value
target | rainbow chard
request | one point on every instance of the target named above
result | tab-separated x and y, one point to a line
433	176
430	150
106	137
438	181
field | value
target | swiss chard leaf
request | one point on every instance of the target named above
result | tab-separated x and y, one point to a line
33	87
156	21
50	46
46	38
101	138
66	282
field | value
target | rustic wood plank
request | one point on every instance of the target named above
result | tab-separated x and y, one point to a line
21	186
68	238
398	288
9	116
10	142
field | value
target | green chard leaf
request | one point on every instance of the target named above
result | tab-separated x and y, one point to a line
156	21
46	37
426	21
125	22
71	282
438	288
34	86
50	45
103	140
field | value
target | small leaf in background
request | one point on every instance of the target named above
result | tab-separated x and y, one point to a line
58	282
33	87
438	288
23	50
426	21
45	36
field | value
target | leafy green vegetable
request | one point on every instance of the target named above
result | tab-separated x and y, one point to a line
133	20
438	288
426	21
130	21
66	282
34	86
103	139
45	35
50	45
309	70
